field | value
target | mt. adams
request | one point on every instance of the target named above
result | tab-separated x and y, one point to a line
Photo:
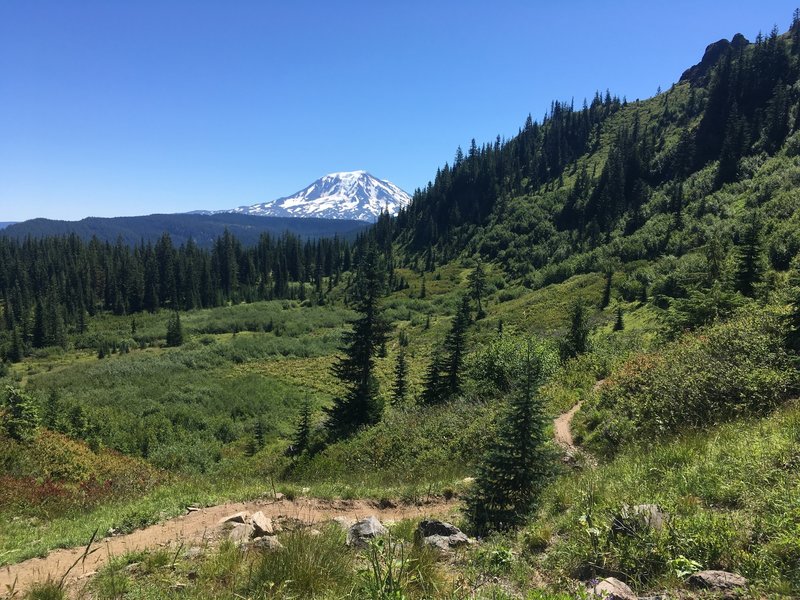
349	195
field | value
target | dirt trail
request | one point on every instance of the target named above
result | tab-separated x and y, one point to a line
562	429
193	529
562	425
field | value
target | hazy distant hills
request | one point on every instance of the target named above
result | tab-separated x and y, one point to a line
203	229
4	224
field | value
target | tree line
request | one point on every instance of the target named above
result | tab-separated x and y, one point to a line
49	287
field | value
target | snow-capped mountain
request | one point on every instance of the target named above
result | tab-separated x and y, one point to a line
350	195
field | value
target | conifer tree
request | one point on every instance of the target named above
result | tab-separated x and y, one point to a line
434	388
619	324
259	434
400	379
39	333
607	289
443	377
750	259
455	347
477	286
792	333
16	352
51	410
577	339
302	434
174	331
516	464
360	405
20	418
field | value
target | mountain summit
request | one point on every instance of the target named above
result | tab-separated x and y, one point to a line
349	195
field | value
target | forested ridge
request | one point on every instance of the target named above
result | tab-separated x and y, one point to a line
617	179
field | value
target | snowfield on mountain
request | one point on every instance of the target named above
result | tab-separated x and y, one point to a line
348	195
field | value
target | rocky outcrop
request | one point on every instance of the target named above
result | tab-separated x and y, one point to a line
365	530
717	580
699	73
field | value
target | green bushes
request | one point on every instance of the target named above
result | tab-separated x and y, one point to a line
732	495
731	370
409	447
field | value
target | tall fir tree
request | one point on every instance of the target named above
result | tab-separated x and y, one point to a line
16	350
606	300
443	377
174	331
302	434
455	348
400	388
619	322
477	286
792	323
360	404
750	258
577	339
515	466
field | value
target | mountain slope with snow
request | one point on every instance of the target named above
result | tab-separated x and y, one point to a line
349	195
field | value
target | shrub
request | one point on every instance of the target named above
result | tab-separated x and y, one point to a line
307	566
734	369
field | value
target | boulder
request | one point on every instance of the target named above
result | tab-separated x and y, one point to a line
267	542
262	524
446	543
441	535
239	517
716	580
640	517
362	531
613	589
429	527
241	533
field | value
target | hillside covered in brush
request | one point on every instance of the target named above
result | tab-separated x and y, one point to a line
666	180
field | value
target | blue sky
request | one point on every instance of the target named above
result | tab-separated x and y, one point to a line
114	108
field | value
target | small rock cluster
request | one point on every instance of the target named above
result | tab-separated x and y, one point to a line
728	584
437	534
257	530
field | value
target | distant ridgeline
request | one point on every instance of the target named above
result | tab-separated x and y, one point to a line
202	229
615	182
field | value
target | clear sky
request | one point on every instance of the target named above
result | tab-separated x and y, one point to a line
112	107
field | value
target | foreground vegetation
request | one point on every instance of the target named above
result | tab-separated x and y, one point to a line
638	259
